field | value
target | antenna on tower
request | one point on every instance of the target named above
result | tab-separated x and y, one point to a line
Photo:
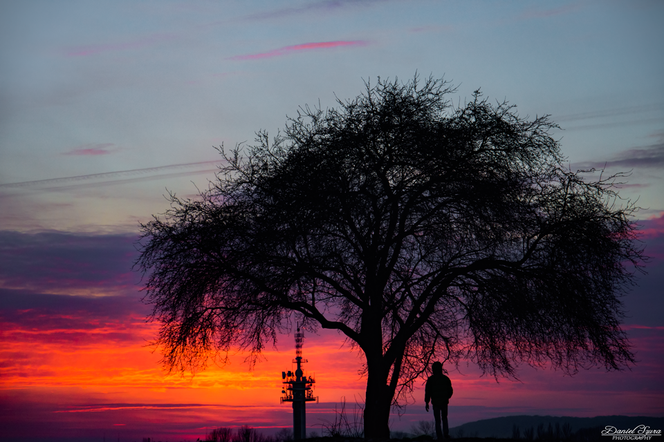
299	338
298	389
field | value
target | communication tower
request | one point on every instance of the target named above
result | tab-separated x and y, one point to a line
298	389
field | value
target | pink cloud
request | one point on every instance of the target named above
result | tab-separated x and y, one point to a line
642	327
651	232
91	149
653	227
298	48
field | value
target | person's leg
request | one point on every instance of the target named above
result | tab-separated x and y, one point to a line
436	417
446	427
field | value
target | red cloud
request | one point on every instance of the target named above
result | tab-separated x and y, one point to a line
91	149
297	48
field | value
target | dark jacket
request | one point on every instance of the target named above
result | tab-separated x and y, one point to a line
438	389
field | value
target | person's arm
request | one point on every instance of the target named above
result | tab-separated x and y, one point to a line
427	396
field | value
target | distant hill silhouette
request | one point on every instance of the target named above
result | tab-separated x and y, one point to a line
503	427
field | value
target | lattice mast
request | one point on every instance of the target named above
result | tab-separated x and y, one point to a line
298	389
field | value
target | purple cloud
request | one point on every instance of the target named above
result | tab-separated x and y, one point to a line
299	48
659	135
651	157
26	307
44	319
91	149
651	231
39	273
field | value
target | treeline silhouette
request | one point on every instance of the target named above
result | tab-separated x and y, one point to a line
556	432
246	434
422	431
541	432
551	428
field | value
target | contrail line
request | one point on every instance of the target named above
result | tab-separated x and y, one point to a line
104	175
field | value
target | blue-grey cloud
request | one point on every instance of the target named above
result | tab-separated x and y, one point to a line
49	311
53	262
543	13
611	117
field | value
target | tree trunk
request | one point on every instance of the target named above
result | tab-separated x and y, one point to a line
378	402
379	395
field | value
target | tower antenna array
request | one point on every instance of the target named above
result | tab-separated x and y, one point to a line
298	389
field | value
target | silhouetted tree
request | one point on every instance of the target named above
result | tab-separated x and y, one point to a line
566	431
516	432
345	425
221	434
419	230
284	435
423	428
247	434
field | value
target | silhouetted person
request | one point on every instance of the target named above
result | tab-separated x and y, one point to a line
438	390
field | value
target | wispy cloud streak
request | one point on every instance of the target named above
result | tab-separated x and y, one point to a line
87	50
627	110
325	6
649	157
611	117
286	50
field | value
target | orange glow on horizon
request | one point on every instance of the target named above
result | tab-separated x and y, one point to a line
104	372
119	358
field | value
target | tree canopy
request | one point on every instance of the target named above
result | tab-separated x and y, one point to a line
417	229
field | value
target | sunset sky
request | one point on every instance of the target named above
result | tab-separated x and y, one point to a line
107	105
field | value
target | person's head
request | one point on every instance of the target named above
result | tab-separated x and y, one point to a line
437	368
